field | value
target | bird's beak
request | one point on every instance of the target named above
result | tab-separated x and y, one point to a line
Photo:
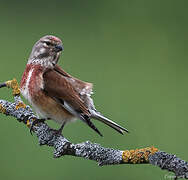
58	48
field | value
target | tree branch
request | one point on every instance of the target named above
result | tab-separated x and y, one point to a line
88	150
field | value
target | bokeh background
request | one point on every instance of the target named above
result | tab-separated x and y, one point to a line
135	53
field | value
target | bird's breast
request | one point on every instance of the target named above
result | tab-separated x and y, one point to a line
32	81
32	89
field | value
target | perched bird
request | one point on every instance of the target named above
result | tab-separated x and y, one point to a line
55	94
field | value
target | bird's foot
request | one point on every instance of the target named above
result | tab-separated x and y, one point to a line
36	122
59	131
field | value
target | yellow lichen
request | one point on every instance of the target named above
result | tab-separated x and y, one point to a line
138	155
28	123
20	105
15	87
2	109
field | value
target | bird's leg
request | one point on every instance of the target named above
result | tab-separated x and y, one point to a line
59	131
36	122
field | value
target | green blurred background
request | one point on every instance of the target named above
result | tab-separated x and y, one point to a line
135	52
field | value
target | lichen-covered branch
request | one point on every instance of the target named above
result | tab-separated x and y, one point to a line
88	150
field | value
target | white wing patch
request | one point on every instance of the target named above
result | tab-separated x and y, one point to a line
69	108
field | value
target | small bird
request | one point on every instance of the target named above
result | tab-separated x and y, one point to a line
55	94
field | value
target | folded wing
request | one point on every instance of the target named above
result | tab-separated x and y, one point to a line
74	95
58	86
80	86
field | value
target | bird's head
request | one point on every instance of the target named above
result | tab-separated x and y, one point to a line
46	51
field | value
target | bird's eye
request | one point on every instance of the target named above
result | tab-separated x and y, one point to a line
48	43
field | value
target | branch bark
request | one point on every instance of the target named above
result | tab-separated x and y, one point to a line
88	150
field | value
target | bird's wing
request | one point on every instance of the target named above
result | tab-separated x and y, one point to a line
74	95
57	87
83	88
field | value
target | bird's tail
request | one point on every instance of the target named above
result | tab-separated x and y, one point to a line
100	117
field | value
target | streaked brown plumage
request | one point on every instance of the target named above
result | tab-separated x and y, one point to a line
53	92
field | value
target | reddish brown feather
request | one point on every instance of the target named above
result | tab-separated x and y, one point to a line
61	71
80	86
57	86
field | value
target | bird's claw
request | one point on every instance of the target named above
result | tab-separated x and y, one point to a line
36	122
59	131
